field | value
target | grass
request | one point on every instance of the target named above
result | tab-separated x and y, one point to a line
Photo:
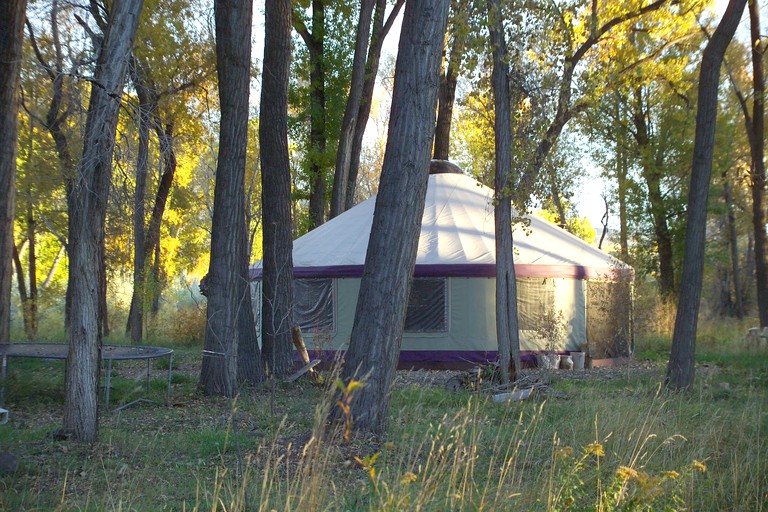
617	443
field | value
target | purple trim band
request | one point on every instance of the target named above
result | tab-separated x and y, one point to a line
455	270
429	356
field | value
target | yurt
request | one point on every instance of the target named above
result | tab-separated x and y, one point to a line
571	295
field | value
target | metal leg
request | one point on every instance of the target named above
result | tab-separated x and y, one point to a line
168	391
107	383
2	384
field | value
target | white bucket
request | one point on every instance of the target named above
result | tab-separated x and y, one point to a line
578	360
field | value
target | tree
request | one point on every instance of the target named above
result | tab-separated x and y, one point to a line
228	285
378	34
87	240
391	254
680	371
12	15
507	329
277	287
344	151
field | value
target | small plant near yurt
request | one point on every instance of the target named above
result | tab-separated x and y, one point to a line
551	329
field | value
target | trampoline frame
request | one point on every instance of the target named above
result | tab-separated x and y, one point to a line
109	353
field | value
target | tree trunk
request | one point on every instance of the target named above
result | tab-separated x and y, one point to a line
30	310
507	331
21	284
277	289
378	327
446	94
380	31
652	174
135	326
315	42
757	150
12	15
733	245
87	240
680	371
228	272
344	152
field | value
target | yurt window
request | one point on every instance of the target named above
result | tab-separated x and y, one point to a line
427	306
535	296
313	305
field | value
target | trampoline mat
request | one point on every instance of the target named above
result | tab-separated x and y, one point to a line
60	350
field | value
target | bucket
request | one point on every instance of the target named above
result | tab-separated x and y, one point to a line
578	360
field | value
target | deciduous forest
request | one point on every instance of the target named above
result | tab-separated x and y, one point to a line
151	151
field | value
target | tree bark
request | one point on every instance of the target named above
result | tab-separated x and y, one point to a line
378	326
757	150
380	31
228	288
135	326
12	15
738	303
277	289
446	95
315	42
344	151
21	284
652	173
87	240
507	331
680	371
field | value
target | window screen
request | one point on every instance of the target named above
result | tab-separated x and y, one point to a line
427	306
534	297
313	305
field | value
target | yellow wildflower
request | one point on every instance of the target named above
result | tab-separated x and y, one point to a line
670	474
699	466
595	449
626	473
408	478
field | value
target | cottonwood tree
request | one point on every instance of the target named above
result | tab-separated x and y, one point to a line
86	242
228	286
391	255
755	127
507	331
277	280
680	370
378	34
12	14
355	98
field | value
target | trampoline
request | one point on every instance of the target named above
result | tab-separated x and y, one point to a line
109	353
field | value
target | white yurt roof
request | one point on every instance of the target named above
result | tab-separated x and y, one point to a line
457	238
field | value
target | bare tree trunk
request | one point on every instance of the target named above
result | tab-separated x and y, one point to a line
507	331
87	240
391	255
12	14
738	302
315	42
277	289
380	31
446	94
757	146
31	309
21	284
228	288
55	122
344	152
680	371
135	326
652	173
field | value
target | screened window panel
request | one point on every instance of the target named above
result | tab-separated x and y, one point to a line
427	310
313	305
535	296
